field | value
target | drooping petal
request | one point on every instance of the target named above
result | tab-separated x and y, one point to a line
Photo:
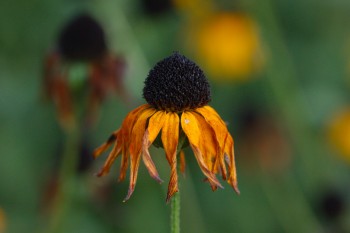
155	124
170	139
123	167
221	132
190	127
209	147
125	131
98	151
229	152
215	121
110	159
129	123
207	142
136	145
182	162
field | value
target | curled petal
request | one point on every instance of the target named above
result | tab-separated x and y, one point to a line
190	126
125	131
136	145
97	152
182	162
111	158
148	160
215	121
208	143
155	124
170	139
229	152
123	167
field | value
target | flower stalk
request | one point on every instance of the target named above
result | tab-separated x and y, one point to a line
175	213
175	200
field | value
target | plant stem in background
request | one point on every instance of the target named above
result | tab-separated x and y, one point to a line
281	80
288	202
63	199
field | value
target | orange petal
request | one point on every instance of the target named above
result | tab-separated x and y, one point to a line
97	152
229	152
111	158
155	124
123	167
190	127
129	122
147	160
125	132
207	144
221	132
138	131
215	121
170	139
209	147
182	162
135	146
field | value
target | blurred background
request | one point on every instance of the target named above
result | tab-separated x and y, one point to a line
71	70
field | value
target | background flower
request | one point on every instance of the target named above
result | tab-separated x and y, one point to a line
227	44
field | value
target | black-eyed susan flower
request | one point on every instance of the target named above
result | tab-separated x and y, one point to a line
227	44
177	94
82	46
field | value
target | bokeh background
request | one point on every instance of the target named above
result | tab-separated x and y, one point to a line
280	78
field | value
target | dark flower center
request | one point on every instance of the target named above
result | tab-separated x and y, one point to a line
82	39
176	84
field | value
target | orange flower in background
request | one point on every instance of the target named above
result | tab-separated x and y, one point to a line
177	93
227	44
339	133
82	44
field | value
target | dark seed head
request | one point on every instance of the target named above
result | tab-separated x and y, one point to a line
82	39
176	84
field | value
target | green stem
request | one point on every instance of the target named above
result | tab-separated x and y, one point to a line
175	200
282	81
288	203
175	213
67	169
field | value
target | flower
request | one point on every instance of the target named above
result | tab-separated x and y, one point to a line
272	151
339	133
177	93
81	44
227	44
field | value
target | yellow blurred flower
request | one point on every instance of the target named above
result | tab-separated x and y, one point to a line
177	93
339	133
227	45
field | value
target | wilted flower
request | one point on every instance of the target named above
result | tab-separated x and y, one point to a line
82	41
271	151
177	93
227	44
